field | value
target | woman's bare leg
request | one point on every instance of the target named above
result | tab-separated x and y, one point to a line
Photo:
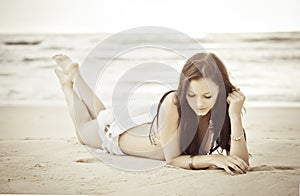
82	111
86	129
90	99
93	103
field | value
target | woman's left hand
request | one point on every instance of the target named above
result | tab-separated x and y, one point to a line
235	100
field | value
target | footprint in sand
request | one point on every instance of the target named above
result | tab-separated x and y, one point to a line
87	160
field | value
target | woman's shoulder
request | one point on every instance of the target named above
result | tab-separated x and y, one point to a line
168	115
169	105
169	98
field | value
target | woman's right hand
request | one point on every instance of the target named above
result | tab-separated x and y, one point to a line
226	162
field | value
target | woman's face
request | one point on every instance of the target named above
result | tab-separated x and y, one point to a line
201	95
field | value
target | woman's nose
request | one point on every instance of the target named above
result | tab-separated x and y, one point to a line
200	103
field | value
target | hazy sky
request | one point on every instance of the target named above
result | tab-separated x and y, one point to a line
79	16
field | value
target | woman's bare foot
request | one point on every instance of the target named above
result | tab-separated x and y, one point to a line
66	85
69	67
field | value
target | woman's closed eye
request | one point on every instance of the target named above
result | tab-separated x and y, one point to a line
205	96
191	95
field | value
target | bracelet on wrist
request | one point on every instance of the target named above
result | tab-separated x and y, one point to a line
237	138
191	161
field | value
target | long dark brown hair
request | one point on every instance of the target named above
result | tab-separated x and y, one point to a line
201	65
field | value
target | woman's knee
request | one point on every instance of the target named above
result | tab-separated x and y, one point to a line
88	132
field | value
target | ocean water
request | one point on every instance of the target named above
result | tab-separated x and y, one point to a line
266	66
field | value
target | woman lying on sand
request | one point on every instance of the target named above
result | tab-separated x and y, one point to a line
186	123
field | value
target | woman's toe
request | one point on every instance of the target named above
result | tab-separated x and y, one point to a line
64	62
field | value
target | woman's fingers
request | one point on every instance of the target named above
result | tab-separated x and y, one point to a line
231	164
232	97
241	162
228	170
235	96
229	99
235	167
236	164
239	93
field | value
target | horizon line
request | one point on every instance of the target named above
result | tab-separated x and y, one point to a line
112	32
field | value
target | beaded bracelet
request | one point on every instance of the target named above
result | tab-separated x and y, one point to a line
191	161
237	138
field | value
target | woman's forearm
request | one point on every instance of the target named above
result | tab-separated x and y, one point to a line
238	148
228	163
199	161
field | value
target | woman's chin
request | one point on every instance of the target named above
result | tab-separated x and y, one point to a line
201	112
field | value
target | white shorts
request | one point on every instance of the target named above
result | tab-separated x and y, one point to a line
110	139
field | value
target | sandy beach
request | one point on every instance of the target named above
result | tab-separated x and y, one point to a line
130	54
40	155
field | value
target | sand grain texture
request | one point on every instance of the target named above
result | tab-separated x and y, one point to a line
39	154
